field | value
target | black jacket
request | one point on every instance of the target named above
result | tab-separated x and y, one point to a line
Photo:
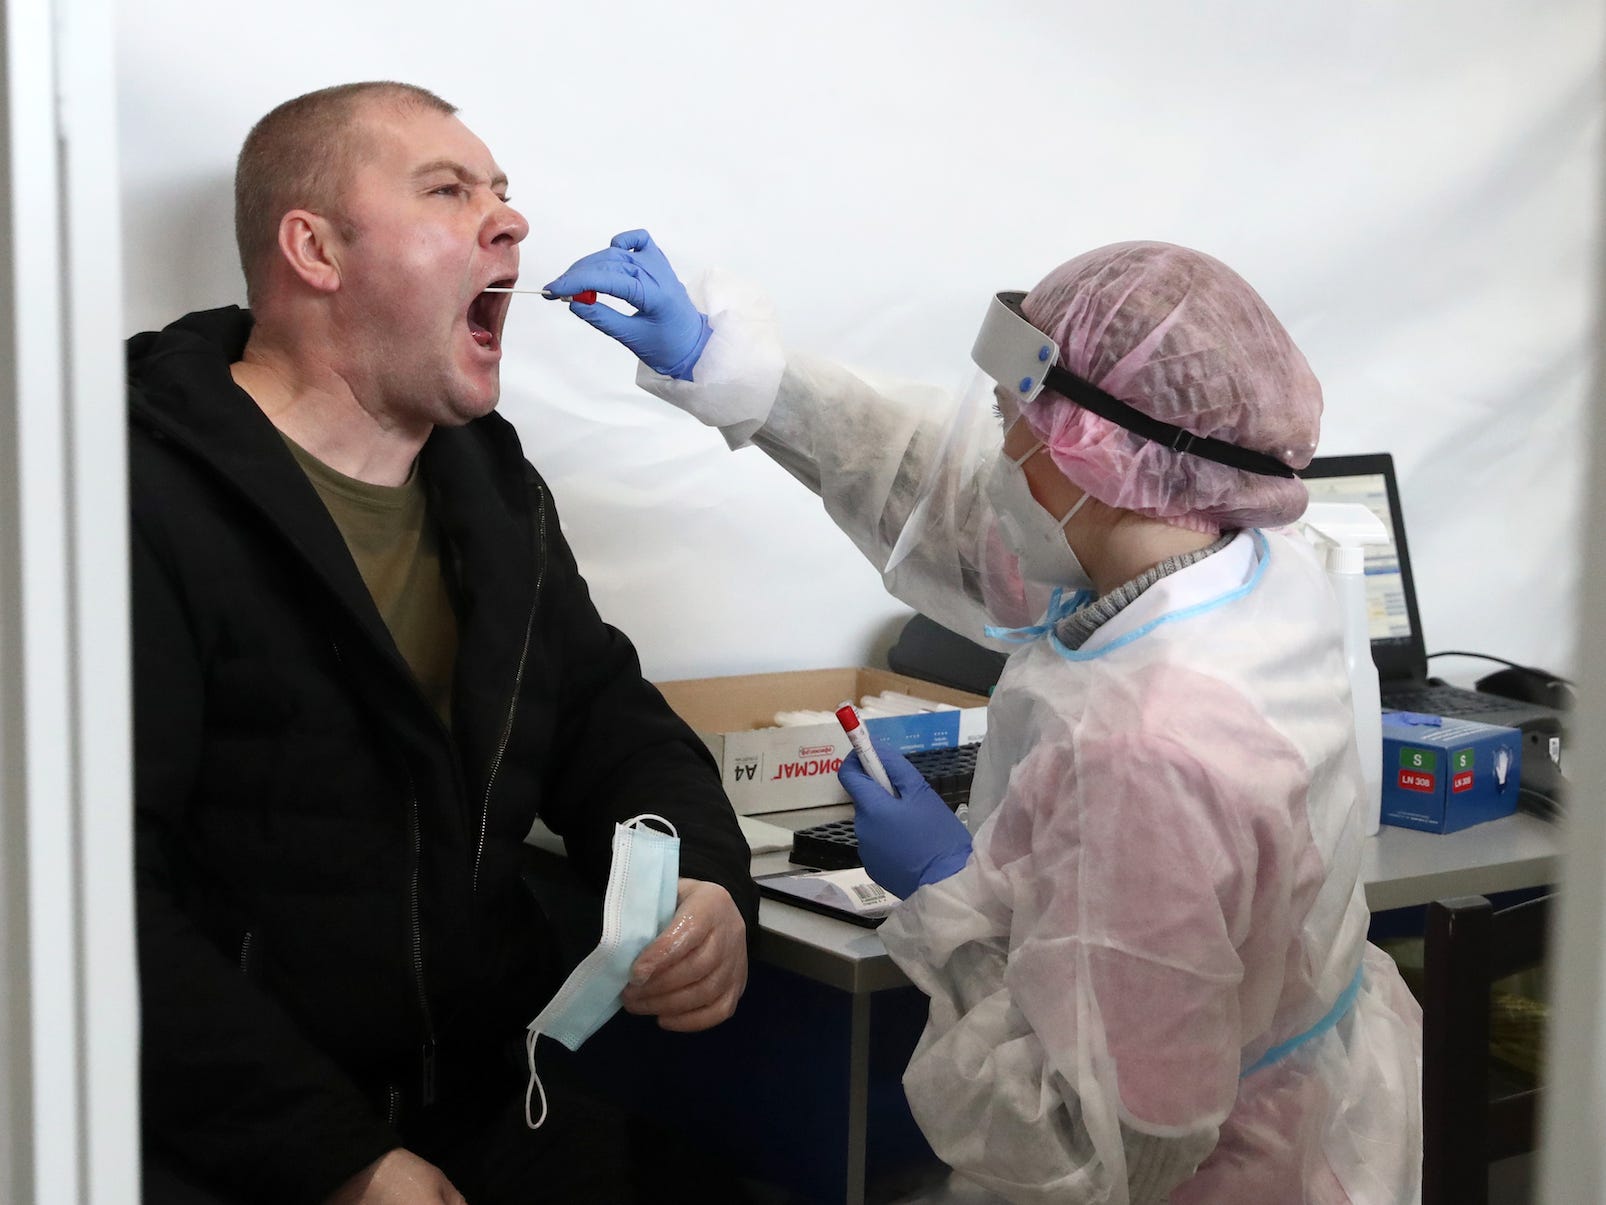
331	915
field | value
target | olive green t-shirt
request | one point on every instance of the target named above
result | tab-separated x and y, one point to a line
397	552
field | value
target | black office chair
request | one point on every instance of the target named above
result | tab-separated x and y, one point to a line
928	651
1475	1110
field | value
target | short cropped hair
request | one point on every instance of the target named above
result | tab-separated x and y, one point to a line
299	157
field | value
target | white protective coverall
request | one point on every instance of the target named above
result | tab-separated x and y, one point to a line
1164	889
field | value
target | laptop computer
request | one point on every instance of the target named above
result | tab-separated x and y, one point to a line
1396	628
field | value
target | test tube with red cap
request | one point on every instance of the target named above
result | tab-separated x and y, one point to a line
860	740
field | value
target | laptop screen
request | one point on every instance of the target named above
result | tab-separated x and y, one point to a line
1397	646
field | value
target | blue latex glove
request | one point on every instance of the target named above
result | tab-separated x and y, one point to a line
667	331
906	840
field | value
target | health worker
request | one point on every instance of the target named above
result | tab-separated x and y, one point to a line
1147	965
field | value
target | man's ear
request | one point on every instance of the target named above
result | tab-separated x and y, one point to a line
311	246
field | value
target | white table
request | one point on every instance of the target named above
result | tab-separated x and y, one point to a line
1400	867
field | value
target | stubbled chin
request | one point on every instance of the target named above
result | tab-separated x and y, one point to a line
482	406
471	400
483	380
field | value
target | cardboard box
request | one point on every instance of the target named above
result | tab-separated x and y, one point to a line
770	769
1446	776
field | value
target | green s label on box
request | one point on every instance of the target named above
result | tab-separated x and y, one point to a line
1418	769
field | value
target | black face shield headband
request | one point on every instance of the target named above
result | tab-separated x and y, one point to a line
1025	361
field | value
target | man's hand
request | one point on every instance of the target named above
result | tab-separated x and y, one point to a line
694	972
398	1178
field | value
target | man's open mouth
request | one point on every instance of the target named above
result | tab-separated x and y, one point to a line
487	312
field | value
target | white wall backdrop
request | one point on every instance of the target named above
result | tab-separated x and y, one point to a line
1411	184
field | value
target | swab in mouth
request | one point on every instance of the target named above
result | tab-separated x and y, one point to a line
584	297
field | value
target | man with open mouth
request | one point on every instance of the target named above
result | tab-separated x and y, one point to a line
365	663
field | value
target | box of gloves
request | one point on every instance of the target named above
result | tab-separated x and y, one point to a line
778	742
1442	774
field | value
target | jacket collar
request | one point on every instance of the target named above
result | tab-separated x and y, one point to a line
181	388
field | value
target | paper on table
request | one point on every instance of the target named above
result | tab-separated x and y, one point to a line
851	890
762	837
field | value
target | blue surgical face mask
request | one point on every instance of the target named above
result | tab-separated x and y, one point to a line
639	903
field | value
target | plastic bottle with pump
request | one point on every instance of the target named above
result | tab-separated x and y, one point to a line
1342	530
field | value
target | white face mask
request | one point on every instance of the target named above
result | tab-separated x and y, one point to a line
1035	537
639	902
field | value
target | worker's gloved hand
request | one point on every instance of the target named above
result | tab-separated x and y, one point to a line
667	331
906	840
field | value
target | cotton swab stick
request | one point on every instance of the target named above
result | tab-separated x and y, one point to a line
584	297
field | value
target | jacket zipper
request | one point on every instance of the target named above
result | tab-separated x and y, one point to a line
518	680
426	1062
245	954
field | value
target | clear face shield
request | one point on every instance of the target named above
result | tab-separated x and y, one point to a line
1014	361
1012	358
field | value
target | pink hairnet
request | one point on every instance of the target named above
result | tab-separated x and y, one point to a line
1183	338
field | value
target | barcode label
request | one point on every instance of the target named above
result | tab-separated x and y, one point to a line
869	894
853	890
